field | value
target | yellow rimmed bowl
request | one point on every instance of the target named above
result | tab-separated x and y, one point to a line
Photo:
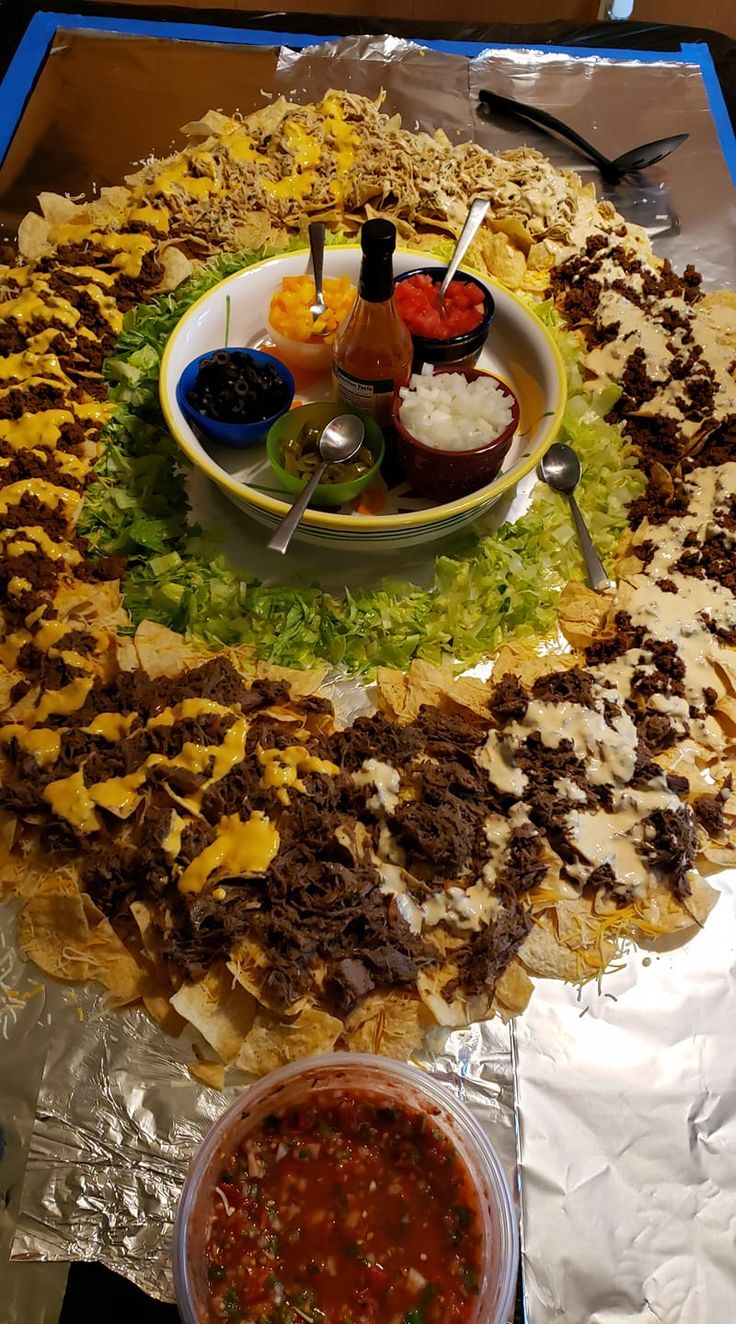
519	349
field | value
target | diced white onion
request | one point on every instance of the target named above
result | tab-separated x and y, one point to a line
452	414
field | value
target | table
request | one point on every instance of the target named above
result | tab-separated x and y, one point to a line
88	1286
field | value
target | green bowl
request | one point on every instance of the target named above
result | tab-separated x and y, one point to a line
290	424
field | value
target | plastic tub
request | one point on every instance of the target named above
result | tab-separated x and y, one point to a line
371	1075
232	434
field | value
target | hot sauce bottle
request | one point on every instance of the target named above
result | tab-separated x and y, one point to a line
373	350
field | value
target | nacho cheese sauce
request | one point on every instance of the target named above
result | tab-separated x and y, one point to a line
345	1210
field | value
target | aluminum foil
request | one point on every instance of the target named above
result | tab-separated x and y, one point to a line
620	1099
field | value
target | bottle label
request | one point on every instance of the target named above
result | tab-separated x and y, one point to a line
375	398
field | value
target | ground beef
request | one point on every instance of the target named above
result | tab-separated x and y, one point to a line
712	559
29	510
32	400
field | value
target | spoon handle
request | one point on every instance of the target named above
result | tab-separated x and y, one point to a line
317	249
597	577
543	117
473	222
285	532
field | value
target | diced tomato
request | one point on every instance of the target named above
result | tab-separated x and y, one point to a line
232	1194
377	1278
417	302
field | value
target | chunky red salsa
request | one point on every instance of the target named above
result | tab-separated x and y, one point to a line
348	1210
418	303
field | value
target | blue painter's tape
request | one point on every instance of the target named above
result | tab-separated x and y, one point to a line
21	75
699	53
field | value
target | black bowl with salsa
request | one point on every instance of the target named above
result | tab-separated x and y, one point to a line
345	1190
456	339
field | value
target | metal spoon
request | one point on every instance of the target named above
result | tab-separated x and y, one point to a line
473	222
637	158
340	441
560	467
317	249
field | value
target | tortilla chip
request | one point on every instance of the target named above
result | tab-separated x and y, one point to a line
163	652
666	914
253	231
393	1024
161	1011
210	1073
176	267
54	930
528	666
219	1008
214	122
56	209
301	683
515	229
576	952
402	694
100	603
430	983
33	237
513	991
250	966
583	615
272	1043
503	260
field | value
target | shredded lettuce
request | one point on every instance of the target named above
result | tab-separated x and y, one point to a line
496	584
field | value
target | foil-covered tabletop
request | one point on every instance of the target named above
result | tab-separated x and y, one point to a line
614	1105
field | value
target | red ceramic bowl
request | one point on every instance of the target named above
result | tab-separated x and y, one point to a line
447	475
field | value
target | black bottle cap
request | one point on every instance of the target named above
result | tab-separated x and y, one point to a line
378	238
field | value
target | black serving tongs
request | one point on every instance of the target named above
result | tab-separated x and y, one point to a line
638	158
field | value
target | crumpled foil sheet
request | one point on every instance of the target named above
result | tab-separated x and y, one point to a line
620	1099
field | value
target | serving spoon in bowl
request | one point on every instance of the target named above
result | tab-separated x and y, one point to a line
473	222
317	250
560	468
637	158
341	439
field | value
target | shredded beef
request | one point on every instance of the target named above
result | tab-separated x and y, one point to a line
657	731
485	957
443	835
524	864
509	700
670	846
573	686
708	810
398	745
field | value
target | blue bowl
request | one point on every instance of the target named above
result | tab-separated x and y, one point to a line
232	434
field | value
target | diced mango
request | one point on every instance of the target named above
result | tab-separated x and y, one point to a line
289	310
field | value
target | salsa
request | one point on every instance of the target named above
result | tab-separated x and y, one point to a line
345	1210
417	301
